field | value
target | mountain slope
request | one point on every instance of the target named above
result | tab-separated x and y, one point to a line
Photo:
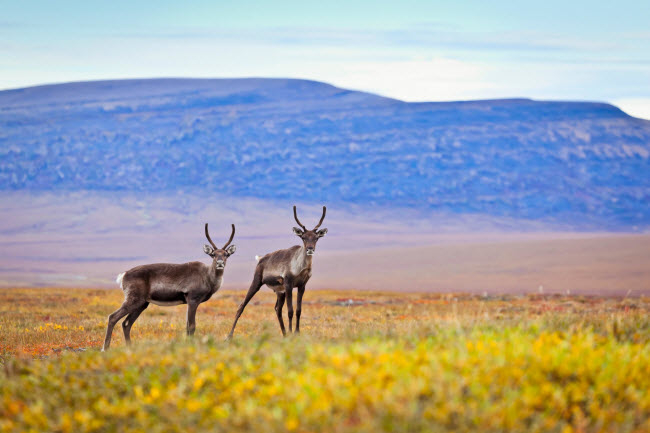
581	164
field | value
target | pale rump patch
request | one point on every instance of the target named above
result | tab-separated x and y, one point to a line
119	279
257	258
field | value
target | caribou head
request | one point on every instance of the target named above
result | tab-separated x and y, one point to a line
219	255
309	237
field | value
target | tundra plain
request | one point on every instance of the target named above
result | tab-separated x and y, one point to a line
365	361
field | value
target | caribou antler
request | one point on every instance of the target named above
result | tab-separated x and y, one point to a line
321	218
295	215
231	236
207	235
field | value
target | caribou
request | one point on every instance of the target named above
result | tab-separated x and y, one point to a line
283	270
168	284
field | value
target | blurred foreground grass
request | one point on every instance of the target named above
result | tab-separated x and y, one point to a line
365	362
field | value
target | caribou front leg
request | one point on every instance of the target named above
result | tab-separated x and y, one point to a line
278	311
191	317
301	291
289	290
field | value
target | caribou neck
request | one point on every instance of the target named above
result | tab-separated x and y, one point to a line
303	259
214	277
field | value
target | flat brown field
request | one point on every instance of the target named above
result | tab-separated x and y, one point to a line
596	264
606	265
86	239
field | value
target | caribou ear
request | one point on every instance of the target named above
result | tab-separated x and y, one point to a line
297	231
231	250
208	250
322	232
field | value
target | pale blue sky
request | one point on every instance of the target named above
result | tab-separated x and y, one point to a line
411	50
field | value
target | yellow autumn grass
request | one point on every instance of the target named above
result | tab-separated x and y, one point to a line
365	362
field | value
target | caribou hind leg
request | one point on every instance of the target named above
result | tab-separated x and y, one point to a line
129	306
130	320
113	318
254	288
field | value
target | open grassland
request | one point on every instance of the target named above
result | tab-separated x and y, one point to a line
365	362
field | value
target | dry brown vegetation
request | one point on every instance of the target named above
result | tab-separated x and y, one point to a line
366	361
45	321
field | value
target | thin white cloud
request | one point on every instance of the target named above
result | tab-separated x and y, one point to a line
637	107
434	35
433	79
415	72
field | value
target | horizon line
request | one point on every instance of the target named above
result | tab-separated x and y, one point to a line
188	78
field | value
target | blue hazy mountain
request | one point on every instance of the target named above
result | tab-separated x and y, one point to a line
586	165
